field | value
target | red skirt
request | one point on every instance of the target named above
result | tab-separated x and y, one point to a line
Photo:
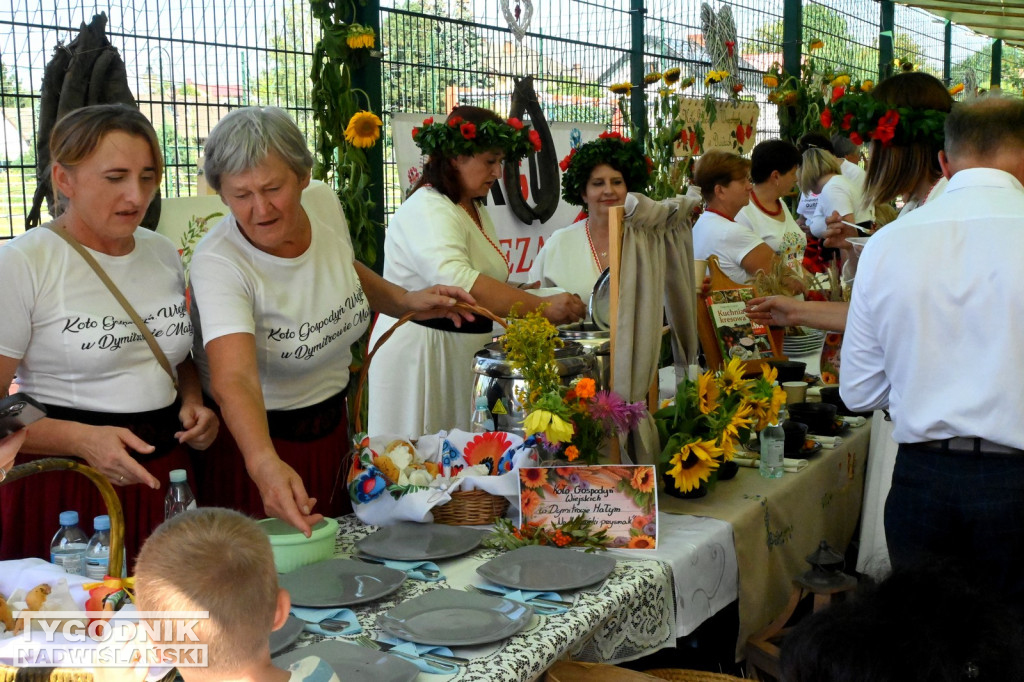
223	481
30	508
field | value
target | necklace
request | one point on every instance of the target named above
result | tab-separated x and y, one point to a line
475	217
777	211
593	251
717	212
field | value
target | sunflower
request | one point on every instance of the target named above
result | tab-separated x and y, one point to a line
642	480
621	88
769	372
360	36
840	81
529	501
686	83
867	86
693	463
715	77
363	129
816	44
652	77
770	81
741	419
731	379
707	393
641	542
671	76
956	89
533	477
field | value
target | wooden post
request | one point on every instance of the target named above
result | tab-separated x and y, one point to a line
616	216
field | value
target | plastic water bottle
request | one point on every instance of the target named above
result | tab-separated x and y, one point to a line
179	496
67	549
482	422
773	448
97	554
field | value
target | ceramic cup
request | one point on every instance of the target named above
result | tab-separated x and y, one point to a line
796	391
700	271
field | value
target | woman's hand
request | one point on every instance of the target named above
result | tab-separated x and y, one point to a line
201	426
437	301
105	448
777	311
564	308
284	495
836	231
9	447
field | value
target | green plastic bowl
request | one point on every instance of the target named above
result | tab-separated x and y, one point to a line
292	549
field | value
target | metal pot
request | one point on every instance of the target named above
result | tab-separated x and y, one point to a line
498	382
597	342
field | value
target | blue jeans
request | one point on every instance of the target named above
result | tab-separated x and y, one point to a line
963	508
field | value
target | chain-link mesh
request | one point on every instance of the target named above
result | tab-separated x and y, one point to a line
190	61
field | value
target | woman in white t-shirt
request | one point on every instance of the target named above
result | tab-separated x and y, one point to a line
66	341
596	176
773	168
724	182
279	299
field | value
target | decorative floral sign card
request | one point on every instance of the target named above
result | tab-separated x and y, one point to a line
622	500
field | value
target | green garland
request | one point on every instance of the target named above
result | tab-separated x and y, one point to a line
862	118
613	149
456	137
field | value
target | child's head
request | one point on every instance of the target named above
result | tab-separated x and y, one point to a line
219	561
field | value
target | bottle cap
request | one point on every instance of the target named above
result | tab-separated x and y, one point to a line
179	476
481	402
69	518
101	523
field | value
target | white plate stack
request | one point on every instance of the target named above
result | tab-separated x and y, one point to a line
809	342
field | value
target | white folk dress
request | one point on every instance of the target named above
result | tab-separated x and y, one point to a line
566	261
421	380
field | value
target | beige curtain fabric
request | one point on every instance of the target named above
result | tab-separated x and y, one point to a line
655	280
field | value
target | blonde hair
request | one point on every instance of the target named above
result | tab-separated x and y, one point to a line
718	167
214	560
76	135
816	164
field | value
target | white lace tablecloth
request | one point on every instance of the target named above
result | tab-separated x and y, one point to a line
631	614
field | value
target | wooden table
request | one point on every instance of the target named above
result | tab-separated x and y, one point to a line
778	522
629	615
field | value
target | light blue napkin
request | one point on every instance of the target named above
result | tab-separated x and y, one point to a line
314	616
415	650
414	569
524	597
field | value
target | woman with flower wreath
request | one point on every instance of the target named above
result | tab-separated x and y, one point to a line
596	176
282	299
773	169
421	380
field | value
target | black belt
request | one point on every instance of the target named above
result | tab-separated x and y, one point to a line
968	445
479	325
156	427
305	424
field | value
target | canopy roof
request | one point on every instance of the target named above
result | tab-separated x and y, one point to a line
997	18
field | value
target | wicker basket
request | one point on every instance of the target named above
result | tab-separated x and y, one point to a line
467	507
113	504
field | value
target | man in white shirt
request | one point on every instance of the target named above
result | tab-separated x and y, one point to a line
935	335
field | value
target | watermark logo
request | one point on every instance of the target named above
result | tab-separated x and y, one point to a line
128	638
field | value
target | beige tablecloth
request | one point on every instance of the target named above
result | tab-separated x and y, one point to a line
777	523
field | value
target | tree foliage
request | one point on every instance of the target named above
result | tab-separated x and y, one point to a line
284	80
429	54
9	87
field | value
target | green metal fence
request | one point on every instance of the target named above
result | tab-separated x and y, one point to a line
190	61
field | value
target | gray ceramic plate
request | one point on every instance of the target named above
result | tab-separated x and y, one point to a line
600	301
340	582
409	541
355	663
282	638
455	618
547	569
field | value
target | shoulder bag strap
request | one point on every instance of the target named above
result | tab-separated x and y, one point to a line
143	329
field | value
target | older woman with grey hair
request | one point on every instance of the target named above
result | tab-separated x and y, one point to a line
278	301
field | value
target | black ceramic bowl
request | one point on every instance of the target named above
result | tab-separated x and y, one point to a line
819	417
796	434
830	395
789	370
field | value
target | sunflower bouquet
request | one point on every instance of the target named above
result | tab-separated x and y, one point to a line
710	418
570	422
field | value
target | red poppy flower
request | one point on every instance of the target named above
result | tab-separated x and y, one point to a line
886	129
847	122
610	133
468	130
838	92
856	138
428	121
515	123
535	140
455	121
826	119
415	132
737	88
564	163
